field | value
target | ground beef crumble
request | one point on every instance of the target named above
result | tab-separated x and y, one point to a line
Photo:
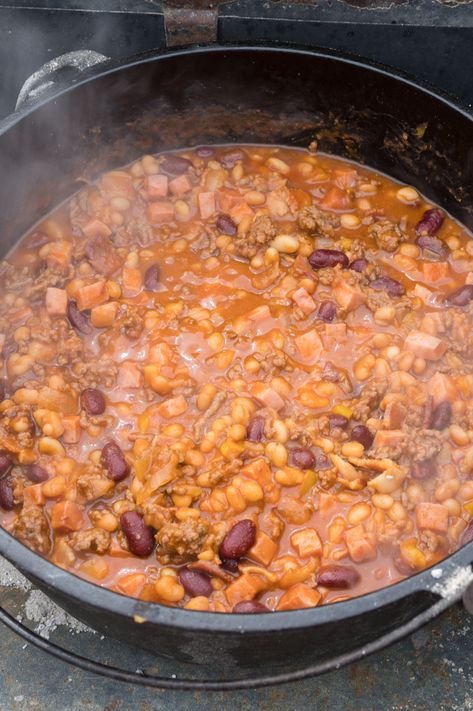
317	222
92	540
32	528
260	234
181	541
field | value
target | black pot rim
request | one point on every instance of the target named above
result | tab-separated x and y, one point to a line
69	585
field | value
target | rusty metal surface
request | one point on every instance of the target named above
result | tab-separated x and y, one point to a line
411	13
430	670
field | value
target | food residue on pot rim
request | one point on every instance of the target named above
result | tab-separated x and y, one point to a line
38	608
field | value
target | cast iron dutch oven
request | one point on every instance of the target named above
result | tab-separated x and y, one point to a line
116	113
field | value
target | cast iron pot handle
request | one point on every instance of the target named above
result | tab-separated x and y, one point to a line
44	78
455	586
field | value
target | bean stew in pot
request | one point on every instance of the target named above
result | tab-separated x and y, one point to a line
239	379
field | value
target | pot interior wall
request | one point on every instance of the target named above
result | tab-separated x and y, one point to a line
241	95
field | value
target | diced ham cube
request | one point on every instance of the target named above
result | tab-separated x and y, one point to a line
267	396
240	211
96	228
304	300
306	542
246	587
66	516
388	438
56	301
180	186
432	516
359	544
348	296
309	345
435	271
423	293
104	315
228	198
394	415
325	501
131	584
424	345
336	199
156	186
72	429
173	407
345	177
258	470
160	353
263	550
129	375
206	202
132	280
243	323
442	387
158	212
92	295
259	313
299	596
102	254
59	256
33	496
335	333
117	183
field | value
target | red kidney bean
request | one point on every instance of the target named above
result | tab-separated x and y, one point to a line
461	297
390	286
327	258
195	583
361	434
78	319
238	540
92	401
321	460
441	416
205	152
338	421
113	460
231	566
359	265
175	165
152	277
467	534
424	469
6	494
36	473
402	566
5	462
249	607
255	429
433	244
337	576
301	457
138	535
2	390
327	311
430	222
36	240
9	347
226	225
231	157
